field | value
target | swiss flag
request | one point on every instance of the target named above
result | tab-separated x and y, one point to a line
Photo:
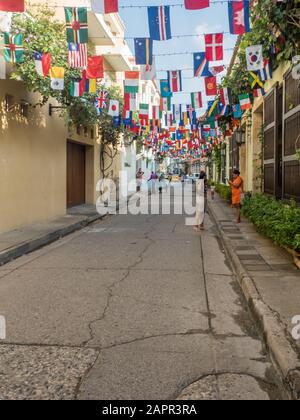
214	47
211	86
196	4
12	5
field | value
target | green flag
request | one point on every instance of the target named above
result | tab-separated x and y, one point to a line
13	48
77	25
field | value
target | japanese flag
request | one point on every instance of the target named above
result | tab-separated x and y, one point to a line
114	108
254	55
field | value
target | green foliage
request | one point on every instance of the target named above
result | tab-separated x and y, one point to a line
298	154
224	191
276	219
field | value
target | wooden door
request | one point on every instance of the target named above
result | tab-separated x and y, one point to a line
75	174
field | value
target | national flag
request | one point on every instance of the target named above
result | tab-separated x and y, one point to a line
12	6
77	55
254	57
177	112
245	101
214	47
211	86
91	86
224	110
165	89
237	112
226	96
259	92
102	99
156	112
114	108
13	48
159	23
130	101
5	21
201	65
213	109
175	81
196	4
216	70
148	72
105	6
57	75
77	25
76	89
256	80
127	120
144	113
95	67
42	63
132	82
239	16
143	51
196	99
266	73
165	104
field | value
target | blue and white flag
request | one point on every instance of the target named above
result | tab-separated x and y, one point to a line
201	65
266	73
143	51
159	23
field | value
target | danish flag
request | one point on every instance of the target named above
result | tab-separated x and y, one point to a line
214	47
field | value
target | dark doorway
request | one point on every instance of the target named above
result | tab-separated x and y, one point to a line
75	174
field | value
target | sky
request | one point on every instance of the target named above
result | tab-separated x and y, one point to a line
183	22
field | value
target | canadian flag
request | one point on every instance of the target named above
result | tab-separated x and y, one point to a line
214	47
105	6
12	6
196	4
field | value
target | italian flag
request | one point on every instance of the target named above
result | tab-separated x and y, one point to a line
196	99
245	102
76	88
132	81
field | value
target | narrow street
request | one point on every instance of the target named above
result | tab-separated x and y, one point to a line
133	307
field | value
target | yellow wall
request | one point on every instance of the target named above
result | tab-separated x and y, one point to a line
32	162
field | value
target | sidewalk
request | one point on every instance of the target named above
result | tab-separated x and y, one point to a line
271	285
18	242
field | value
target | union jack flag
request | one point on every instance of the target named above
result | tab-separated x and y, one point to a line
77	56
102	99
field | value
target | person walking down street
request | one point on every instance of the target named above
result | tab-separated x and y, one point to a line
237	189
162	183
139	180
200	203
153	178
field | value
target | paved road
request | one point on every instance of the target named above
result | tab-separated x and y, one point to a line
134	307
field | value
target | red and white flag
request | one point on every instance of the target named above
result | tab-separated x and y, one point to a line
214	47
105	6
196	4
211	86
175	80
12	6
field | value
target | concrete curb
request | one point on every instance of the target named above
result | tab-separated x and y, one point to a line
278	341
50	237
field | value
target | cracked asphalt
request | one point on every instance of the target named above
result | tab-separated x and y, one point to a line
133	307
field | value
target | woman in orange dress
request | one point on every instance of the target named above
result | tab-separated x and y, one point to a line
237	189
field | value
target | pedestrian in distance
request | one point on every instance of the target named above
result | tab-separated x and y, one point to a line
153	179
139	180
237	189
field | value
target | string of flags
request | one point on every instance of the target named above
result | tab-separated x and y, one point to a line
177	129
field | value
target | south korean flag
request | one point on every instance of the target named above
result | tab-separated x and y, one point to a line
254	55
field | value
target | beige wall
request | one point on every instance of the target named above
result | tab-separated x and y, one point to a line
32	161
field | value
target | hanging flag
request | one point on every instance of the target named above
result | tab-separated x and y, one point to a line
175	81
216	70
130	101
177	113
245	102
214	47
76	89
254	57
159	23
196	99
105	6
77	25
211	86
213	109
156	112
114	108
165	104
143	51
148	72
91	86
144	113
258	93
237	112
226	96
57	75
196	4
12	6
5	21
95	67
77	55
201	65
132	82
239	16
266	73
256	80
42	63
13	48
102	99
165	89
